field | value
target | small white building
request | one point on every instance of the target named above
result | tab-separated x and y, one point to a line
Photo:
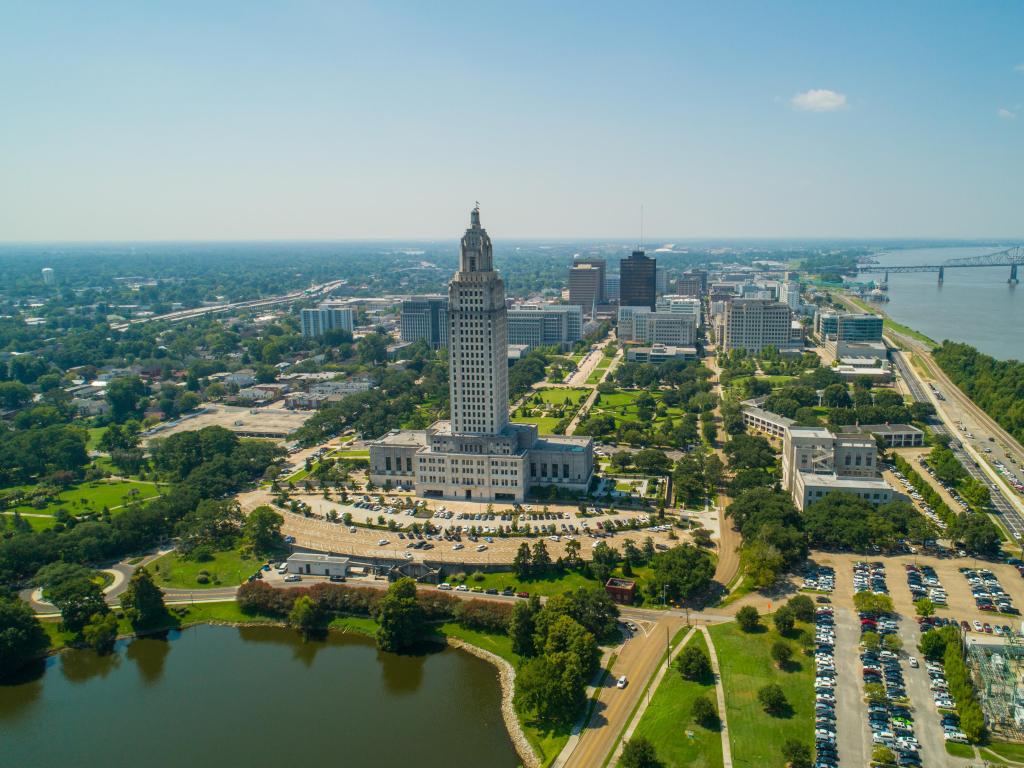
316	564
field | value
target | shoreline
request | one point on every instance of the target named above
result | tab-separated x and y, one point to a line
506	672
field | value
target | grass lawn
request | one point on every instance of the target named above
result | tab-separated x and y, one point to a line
226	569
545	424
557	396
960	750
1008	750
553	585
746	665
95	433
37	523
667	721
94	496
595	376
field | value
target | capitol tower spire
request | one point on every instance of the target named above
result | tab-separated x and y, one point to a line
477	338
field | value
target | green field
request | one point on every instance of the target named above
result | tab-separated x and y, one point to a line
746	665
226	569
667	721
95	433
557	396
621	406
544	586
92	497
545	424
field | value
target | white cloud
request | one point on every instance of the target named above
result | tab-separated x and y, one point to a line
1006	114
819	100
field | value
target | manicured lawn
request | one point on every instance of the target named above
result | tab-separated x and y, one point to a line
960	750
95	433
746	665
557	396
545	424
554	585
94	496
595	376
226	569
499	645
667	721
37	523
1005	749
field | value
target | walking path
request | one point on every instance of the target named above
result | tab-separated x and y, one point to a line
720	693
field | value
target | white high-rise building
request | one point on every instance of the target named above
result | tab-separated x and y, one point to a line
479	454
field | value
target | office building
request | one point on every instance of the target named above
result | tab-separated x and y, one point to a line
660	281
789	294
612	284
329	316
479	454
587	285
689	285
660	353
543	325
641	325
816	462
426	318
753	324
637	283
682	305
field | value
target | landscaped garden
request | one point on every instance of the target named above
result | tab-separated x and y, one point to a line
78	499
227	568
550	409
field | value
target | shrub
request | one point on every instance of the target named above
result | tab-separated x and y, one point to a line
782	653
202	554
802	607
797	754
784	620
202	578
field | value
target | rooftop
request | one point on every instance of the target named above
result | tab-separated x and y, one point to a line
317	557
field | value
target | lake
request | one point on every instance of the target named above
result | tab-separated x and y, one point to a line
975	305
223	696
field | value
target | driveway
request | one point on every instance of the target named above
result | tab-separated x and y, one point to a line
852	735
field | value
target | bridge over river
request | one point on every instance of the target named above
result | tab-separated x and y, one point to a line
1011	257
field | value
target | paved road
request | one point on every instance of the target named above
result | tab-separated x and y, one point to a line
853	738
926	716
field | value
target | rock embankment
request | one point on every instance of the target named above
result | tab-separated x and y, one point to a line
507	678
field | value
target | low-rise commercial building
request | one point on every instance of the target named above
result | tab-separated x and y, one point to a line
621	591
315	564
767	422
893	435
659	353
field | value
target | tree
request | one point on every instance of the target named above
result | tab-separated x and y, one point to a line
796	753
693	664
933	644
924	607
22	637
871	641
772	698
681	573
551	691
651	461
979	534
521	562
125	396
875	693
883	755
762	562
892	643
400	616
781	653
306	616
802	607
77	600
748	618
703	712
639	752
142	601
262	528
100	632
521	627
541	558
784	620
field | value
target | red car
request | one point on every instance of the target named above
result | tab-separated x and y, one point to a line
987	627
522	594
965	626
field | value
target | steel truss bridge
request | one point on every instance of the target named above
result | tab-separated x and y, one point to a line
1011	257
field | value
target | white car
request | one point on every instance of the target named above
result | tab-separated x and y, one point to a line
912	662
444	586
621	682
382	543
462	588
481	548
293	577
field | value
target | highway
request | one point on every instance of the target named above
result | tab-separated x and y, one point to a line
1007	511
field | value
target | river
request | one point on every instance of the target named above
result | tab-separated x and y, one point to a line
974	305
222	696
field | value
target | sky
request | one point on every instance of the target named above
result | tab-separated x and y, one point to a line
334	120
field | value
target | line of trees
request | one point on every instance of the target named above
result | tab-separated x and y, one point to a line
995	385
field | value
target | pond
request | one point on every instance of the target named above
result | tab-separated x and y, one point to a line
224	696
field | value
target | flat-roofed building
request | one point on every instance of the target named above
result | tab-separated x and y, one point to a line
638	280
543	325
893	435
753	324
681	305
316	564
641	325
816	461
659	353
587	284
426	318
328	316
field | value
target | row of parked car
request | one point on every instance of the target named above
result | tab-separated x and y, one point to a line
912	491
827	755
988	593
924	582
891	723
819	577
869	577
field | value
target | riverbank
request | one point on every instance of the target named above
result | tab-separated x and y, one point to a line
228	614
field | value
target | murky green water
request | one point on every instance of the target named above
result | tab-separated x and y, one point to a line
226	697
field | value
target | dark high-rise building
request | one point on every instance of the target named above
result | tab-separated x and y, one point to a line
426	317
638	281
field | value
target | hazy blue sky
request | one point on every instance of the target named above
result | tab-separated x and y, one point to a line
251	120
